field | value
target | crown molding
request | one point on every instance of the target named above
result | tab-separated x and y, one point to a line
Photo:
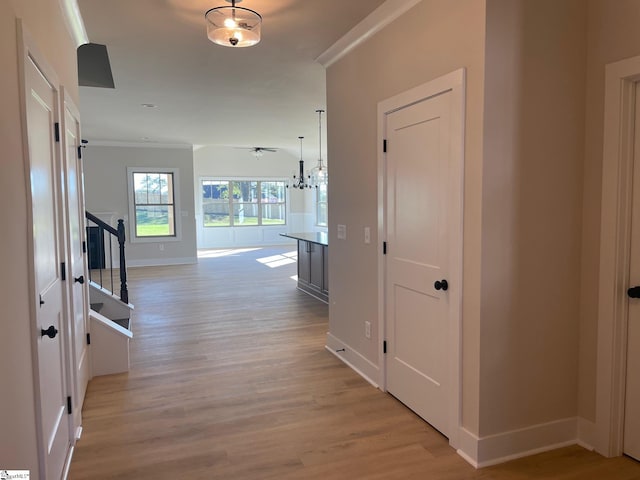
111	143
369	26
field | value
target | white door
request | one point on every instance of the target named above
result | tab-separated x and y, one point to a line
423	226
74	202
632	402
41	110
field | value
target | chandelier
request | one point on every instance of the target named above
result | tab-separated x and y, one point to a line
300	181
233	26
319	174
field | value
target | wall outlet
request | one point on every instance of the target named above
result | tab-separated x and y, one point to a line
342	232
367	329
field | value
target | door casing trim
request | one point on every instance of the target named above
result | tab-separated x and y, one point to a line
615	231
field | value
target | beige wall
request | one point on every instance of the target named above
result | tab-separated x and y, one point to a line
17	416
524	145
613	35
432	39
106	190
531	212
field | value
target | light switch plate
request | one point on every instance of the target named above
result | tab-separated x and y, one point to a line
342	232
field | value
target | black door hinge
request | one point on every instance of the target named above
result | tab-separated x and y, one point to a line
63	271
84	246
384	346
80	151
384	248
88	339
69	409
384	145
56	131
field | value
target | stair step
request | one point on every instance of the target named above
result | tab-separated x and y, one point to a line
96	307
123	322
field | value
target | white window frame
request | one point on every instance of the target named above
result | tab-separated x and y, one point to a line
318	202
260	180
133	238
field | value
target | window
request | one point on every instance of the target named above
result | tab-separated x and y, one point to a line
245	203
322	205
273	203
239	203
153	207
215	203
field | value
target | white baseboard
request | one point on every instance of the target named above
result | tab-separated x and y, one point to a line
365	368
502	447
586	433
468	446
158	262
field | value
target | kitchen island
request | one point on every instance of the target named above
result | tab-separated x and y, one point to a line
313	258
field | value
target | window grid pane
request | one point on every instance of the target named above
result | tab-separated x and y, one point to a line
154	204
245	214
215	203
322	206
243	203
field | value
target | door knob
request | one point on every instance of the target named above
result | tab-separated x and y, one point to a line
634	292
441	285
50	332
79	279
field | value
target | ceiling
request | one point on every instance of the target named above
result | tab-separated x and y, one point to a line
205	94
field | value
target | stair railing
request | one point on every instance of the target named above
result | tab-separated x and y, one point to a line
100	257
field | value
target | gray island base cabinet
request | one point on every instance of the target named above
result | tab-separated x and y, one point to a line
313	273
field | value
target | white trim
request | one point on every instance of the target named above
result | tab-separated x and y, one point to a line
503	447
615	225
73	21
114	143
369	26
366	369
177	212
586	433
69	106
109	345
67	461
468	444
110	325
453	82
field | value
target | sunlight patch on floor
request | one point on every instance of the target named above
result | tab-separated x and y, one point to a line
217	252
275	261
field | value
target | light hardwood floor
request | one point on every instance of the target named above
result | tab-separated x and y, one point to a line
230	380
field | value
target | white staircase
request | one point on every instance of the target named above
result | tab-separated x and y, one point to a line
110	331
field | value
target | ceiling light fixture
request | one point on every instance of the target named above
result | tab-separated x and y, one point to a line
299	181
233	26
320	173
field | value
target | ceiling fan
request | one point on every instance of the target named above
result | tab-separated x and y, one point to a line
259	151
